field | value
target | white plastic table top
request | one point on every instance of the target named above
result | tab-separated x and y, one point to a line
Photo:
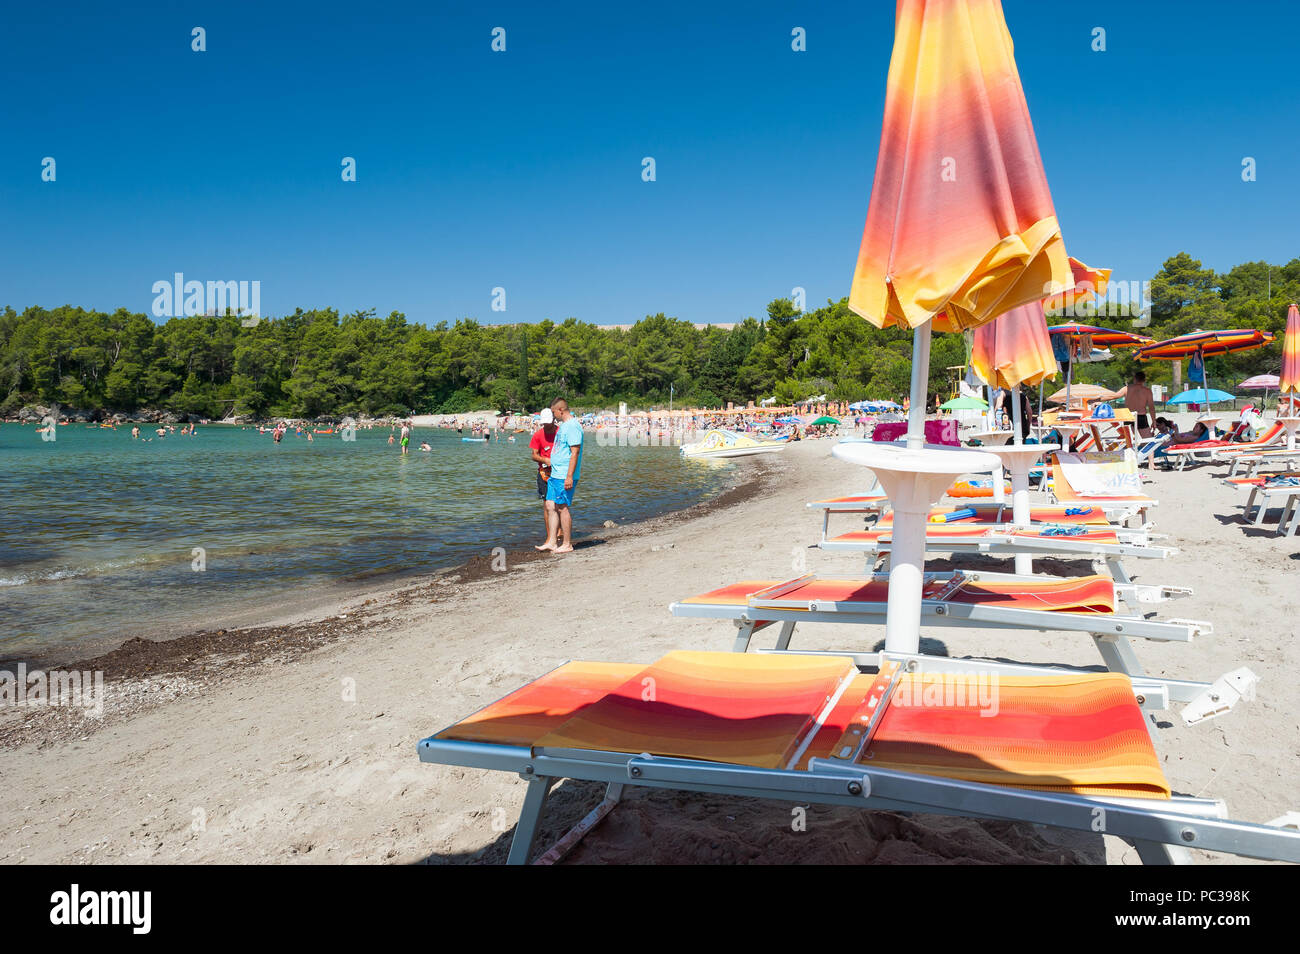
930	459
1012	454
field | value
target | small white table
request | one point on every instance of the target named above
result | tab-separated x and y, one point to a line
915	479
1018	459
1290	424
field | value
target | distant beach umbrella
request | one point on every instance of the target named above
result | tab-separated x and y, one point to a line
964	404
1083	392
1200	396
1090	337
1260	382
1203	344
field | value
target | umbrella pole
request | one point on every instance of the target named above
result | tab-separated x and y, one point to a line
1205	381
1020	482
1016	417
920	385
911	495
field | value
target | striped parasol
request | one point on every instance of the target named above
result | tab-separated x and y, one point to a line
1289	379
960	229
1204	344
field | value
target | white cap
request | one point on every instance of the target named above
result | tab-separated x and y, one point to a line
546	416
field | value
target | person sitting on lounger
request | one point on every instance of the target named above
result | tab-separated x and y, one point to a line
1198	433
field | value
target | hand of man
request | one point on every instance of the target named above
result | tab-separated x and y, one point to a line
568	483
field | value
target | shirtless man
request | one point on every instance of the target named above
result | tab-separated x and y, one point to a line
1138	399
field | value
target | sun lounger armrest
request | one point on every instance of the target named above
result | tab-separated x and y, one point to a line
1226	692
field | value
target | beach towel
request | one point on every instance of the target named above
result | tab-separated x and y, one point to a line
1102	474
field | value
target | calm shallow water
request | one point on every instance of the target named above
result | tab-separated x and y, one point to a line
97	531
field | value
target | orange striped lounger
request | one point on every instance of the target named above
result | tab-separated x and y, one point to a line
1090	540
958	600
1048	748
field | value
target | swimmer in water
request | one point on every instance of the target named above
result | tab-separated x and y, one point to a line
424	446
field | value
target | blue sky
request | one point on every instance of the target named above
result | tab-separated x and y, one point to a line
522	169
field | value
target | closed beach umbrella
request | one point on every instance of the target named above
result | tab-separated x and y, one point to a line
1014	349
1088	282
1204	344
1289	380
960	229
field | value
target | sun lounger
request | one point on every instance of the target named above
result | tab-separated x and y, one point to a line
1284	488
1077	540
984	513
1252	462
1209	450
1122	507
983	600
1147	447
1070	751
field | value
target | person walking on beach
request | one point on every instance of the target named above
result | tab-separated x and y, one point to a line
1139	400
566	468
540	445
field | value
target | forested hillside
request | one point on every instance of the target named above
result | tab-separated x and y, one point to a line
314	363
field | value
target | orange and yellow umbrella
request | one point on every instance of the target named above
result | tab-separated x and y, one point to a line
1088	282
1015	349
1289	380
960	227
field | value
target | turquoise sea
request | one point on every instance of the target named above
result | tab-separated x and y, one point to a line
103	537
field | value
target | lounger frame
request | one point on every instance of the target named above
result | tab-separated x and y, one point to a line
1160	829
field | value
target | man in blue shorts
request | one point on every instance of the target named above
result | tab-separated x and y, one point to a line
566	468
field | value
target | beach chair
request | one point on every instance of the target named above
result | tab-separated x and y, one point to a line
1124	507
1065	750
962	600
1147	447
1206	451
874	507
1264	491
1249	463
1003	539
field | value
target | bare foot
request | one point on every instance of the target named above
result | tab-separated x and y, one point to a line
544	546
564	549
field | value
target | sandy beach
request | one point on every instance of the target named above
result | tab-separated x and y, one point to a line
294	740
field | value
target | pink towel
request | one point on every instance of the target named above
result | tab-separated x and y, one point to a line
936	432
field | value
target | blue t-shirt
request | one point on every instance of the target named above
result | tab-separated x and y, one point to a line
568	441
